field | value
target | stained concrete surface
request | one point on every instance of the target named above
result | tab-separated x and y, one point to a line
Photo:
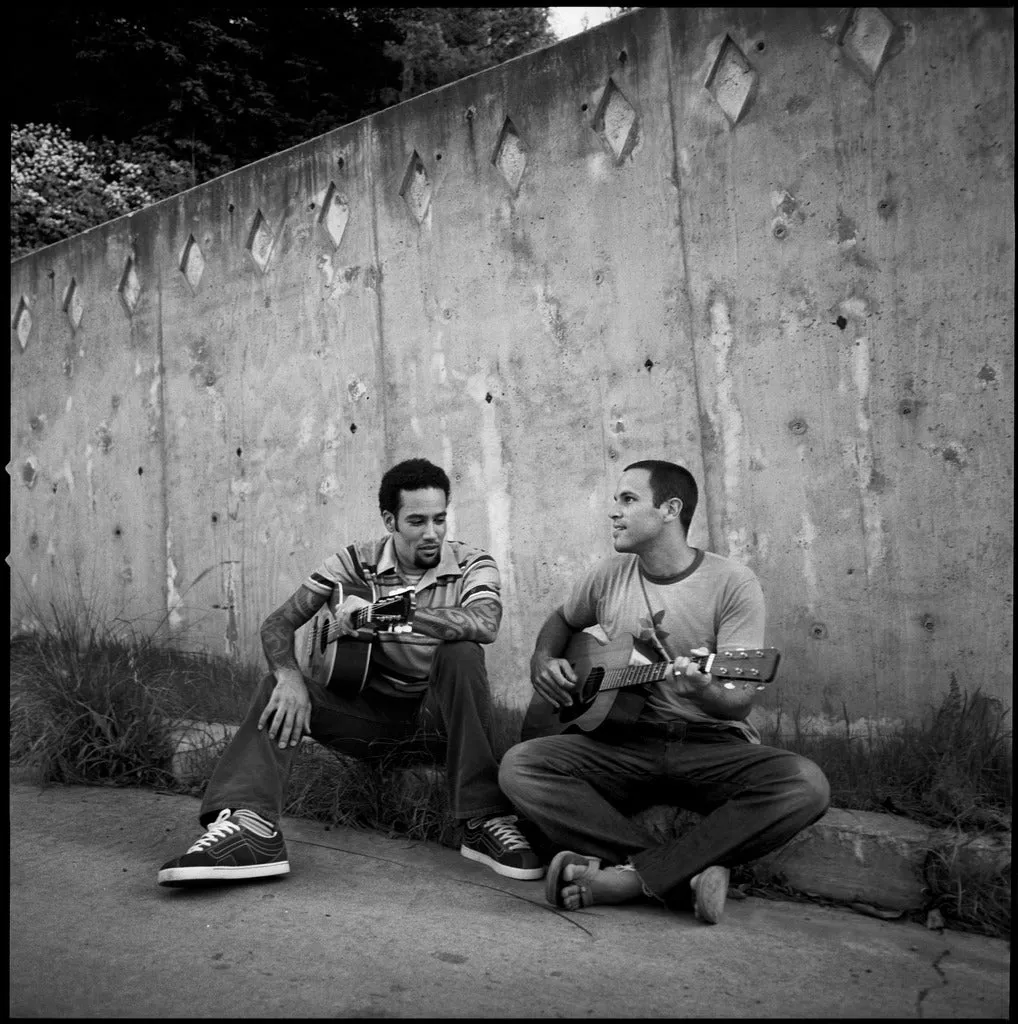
366	926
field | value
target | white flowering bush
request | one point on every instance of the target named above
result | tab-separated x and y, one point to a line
61	186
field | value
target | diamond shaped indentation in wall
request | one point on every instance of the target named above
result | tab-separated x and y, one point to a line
335	214
259	241
731	80
130	286
510	156
22	322
416	188
615	121
192	263
72	304
866	38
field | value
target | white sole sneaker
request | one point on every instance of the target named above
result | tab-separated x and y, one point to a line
221	873
526	874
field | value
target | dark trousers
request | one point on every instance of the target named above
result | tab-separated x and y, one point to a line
581	792
452	718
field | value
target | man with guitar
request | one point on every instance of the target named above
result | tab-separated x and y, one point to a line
392	629
656	714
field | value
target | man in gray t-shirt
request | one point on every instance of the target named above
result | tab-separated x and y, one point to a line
682	733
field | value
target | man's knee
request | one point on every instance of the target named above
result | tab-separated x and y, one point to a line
512	767
812	786
520	764
458	654
261	695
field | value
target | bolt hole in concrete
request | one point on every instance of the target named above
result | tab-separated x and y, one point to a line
841	322
215	518
341	163
438	156
353	428
760	46
141	470
240	451
583	106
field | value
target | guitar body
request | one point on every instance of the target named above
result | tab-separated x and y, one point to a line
592	706
342	664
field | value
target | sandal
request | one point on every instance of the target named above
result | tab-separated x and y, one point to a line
554	883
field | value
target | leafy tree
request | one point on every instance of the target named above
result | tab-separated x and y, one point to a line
207	90
60	186
439	45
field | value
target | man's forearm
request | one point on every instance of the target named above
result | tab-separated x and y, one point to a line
478	621
732	705
278	629
553	637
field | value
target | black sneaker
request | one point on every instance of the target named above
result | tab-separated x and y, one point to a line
500	844
229	851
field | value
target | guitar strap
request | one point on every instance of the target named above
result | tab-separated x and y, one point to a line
656	642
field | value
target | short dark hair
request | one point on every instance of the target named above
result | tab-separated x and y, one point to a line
667	480
410	475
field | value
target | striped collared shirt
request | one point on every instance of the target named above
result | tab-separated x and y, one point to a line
401	662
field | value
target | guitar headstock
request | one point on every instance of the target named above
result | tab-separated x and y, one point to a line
394	613
754	665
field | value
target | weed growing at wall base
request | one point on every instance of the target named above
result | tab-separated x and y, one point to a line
96	703
952	769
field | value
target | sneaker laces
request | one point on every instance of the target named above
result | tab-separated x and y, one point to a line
219	829
505	831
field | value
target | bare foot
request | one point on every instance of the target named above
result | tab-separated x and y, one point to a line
609	885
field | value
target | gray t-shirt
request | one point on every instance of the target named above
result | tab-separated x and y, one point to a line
716	603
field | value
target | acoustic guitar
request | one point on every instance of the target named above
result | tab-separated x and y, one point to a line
604	671
342	663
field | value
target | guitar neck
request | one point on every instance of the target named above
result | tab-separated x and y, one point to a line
634	675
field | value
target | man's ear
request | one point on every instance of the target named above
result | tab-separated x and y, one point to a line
672	509
390	521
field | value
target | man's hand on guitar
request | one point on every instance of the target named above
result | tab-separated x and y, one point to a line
689	679
288	711
554	679
345	612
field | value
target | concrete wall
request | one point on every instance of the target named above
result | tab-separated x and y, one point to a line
776	245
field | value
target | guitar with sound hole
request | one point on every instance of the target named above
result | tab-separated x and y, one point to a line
341	663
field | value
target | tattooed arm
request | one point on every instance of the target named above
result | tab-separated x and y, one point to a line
287	713
278	629
478	621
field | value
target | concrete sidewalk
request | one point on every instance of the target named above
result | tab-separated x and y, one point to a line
366	926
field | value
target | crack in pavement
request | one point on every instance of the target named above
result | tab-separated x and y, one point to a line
929	988
460	881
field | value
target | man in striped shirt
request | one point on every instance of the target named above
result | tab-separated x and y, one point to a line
426	681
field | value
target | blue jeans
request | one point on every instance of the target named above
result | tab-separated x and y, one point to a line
581	791
451	721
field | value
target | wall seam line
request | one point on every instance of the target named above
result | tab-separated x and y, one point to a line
163	452
379	321
712	540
